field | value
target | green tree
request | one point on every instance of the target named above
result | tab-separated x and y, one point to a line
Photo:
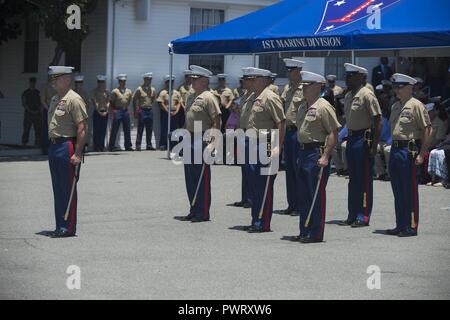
51	15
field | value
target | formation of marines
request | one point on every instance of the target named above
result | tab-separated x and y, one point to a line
300	123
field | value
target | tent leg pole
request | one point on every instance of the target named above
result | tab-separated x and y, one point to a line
170	101
353	57
254	60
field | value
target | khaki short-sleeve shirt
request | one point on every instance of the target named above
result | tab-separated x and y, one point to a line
292	98
360	109
64	115
145	96
121	100
101	97
408	121
204	108
163	97
316	122
266	111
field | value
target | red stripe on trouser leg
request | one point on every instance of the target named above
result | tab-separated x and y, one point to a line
366	193
323	201
414	191
206	193
267	206
73	204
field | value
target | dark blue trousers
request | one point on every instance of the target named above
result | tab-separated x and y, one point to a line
307	180
63	173
246	187
193	176
100	125
360	186
144	120
120	116
174	124
44	136
290	154
405	177
262	207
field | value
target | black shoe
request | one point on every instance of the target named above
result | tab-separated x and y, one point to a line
137	149
238	204
115	149
247	228
409	232
393	232
187	218
196	219
129	149
255	229
404	234
309	240
62	234
162	149
296	238
359	224
150	149
295	213
247	205
287	212
345	223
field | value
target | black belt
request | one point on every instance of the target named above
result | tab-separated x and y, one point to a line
102	110
146	109
311	145
404	143
356	133
61	140
291	128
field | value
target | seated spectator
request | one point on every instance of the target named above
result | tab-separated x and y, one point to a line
438	164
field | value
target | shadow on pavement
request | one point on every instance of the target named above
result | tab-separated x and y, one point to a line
23	158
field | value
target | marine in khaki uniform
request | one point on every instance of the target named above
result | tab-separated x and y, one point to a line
292	97
226	97
31	102
266	114
100	101
120	101
143	100
411	136
245	111
67	125
202	108
363	118
47	94
78	88
186	88
317	136
240	91
331	83
272	85
174	109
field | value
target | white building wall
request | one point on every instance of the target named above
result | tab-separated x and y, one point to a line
13	81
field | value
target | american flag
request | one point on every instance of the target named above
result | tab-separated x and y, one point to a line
339	13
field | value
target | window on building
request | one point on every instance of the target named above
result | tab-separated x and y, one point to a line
202	19
274	63
335	65
31	48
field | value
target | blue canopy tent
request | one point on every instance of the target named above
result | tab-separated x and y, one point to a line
326	25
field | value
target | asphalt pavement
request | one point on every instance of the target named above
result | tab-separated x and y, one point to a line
129	246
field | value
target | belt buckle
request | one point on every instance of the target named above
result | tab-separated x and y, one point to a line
302	146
